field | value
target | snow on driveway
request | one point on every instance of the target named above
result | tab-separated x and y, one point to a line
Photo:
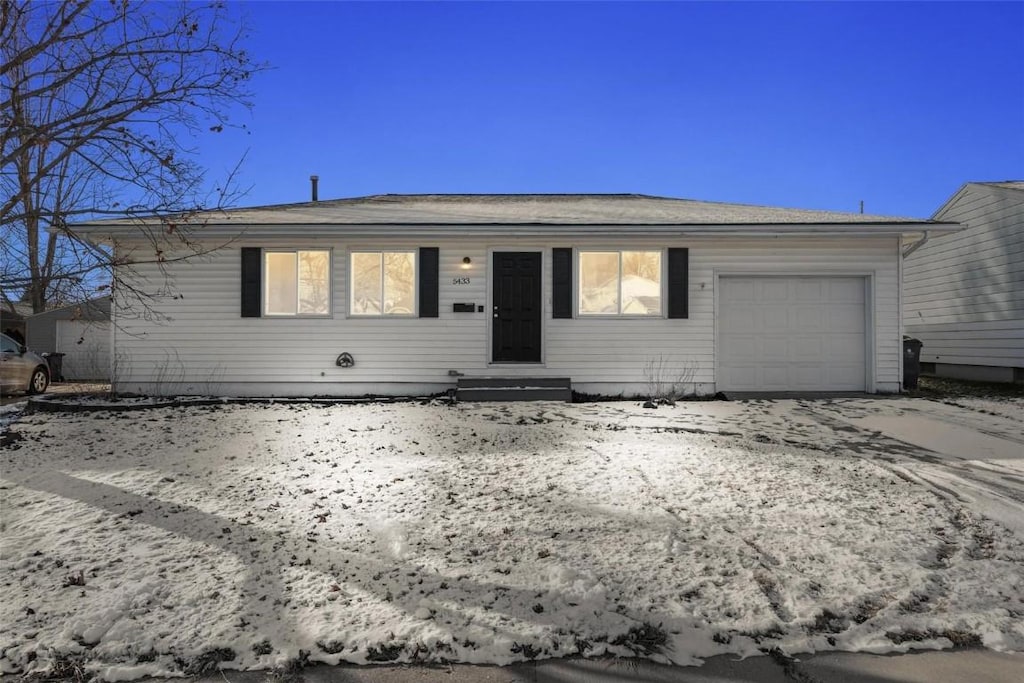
973	454
170	541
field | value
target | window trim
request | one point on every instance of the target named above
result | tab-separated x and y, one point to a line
415	283
578	284
266	283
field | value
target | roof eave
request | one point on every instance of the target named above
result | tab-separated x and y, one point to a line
108	233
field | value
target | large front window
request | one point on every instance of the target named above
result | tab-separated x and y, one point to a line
620	283
383	283
298	282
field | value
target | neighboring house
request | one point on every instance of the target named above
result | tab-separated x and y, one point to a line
12	319
82	332
964	293
420	289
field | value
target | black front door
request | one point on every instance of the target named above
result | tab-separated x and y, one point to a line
517	307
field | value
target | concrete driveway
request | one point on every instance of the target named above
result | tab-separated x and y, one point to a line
970	452
59	388
966	450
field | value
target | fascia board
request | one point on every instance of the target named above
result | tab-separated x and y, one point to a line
108	233
949	203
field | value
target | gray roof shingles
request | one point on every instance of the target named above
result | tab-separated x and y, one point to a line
1008	184
524	209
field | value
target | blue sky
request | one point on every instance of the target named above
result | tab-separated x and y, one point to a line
811	105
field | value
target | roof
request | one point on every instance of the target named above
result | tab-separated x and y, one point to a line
519	209
1016	185
1006	184
16	310
97	308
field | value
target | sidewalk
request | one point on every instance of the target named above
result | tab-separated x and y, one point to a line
976	666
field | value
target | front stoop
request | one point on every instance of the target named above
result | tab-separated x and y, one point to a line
514	389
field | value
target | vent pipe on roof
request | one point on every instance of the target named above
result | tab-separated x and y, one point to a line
313	180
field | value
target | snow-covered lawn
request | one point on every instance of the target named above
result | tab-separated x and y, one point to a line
173	539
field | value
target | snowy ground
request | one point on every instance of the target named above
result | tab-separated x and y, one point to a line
171	541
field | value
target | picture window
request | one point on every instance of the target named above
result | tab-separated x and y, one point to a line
383	283
620	283
297	283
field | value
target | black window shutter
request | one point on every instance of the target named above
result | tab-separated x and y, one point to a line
561	282
428	282
252	276
679	283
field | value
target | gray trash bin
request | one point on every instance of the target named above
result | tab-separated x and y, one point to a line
55	361
911	362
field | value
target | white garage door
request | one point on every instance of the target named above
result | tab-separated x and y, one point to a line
86	345
791	334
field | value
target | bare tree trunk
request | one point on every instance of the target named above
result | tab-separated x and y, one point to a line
99	106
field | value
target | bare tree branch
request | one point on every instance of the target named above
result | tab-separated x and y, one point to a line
101	106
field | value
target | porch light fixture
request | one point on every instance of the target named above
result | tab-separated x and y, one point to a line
466	263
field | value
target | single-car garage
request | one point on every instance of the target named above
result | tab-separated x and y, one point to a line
82	332
792	333
86	348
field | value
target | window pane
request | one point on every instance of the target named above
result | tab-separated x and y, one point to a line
599	282
314	282
399	283
641	282
281	283
366	296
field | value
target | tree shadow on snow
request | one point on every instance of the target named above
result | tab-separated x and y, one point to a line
266	607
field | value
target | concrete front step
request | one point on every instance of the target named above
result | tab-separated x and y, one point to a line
514	389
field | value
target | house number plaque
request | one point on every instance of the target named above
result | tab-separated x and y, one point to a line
460	280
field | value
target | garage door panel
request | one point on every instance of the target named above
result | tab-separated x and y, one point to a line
742	292
814	318
848	347
739	318
846	376
741	348
775	375
846	290
809	291
808	376
775	291
807	348
742	375
792	334
86	349
775	319
846	318
773	349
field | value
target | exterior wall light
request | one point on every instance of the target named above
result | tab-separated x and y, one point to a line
467	263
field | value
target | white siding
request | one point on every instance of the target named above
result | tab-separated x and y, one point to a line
964	293
206	347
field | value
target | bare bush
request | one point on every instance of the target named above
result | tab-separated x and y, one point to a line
667	380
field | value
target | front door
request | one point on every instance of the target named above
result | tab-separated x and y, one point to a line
516	299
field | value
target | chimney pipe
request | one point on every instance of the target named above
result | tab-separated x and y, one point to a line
313	180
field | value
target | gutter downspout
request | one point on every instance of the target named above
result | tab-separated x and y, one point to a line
906	252
916	245
899	312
